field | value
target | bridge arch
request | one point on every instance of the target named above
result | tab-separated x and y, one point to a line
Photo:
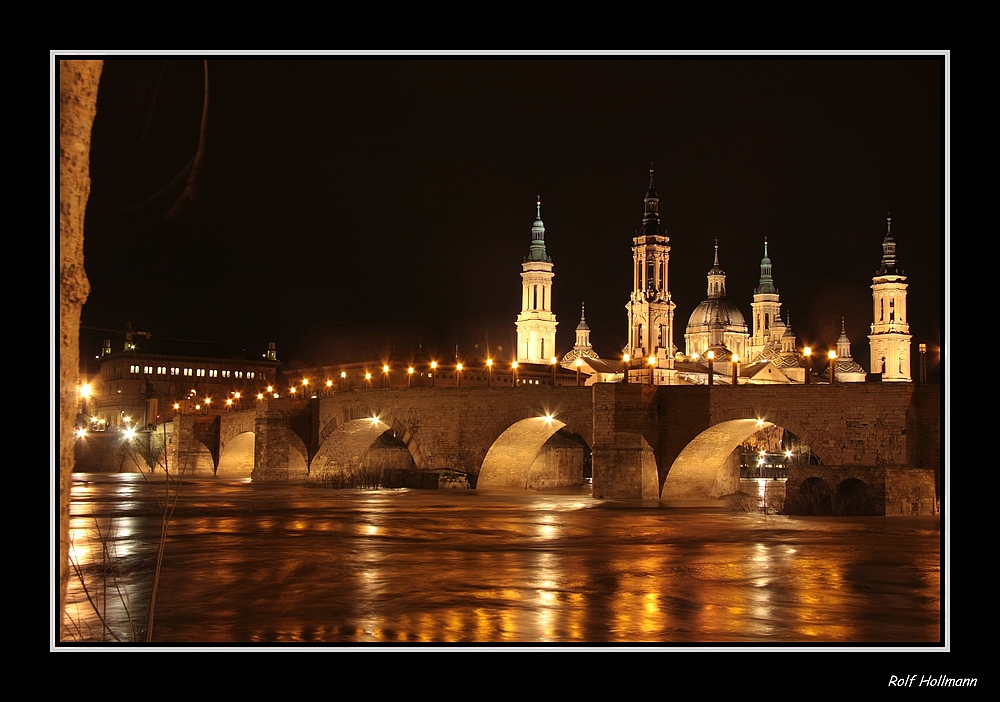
708	466
532	453
236	456
360	437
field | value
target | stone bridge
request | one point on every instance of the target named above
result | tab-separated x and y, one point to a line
664	442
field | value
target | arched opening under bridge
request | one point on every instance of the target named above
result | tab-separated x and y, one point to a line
534	454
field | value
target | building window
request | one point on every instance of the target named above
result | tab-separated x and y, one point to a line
200	373
147	370
175	371
161	370
213	373
134	370
187	371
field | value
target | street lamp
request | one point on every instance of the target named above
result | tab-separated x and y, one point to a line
434	367
625	359
368	380
833	366
329	387
652	364
808	352
553	361
579	365
736	361
513	372
489	372
711	370
385	376
229	405
409	376
343	381
208	401
458	375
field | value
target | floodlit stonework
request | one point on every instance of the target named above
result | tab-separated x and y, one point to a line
890	337
536	325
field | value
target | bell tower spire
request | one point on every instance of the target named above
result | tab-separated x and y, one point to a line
650	308
890	337
536	325
765	317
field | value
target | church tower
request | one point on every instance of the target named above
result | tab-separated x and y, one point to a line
650	309
766	326
536	325
890	337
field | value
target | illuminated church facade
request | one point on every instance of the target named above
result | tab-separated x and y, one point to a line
763	351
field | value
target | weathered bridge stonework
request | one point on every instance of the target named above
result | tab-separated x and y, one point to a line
663	442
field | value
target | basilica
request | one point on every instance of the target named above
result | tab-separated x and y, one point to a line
719	345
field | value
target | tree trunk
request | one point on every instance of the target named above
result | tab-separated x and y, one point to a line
78	81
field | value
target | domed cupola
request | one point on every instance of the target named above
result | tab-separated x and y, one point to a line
716	323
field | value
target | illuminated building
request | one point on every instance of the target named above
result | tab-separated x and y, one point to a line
140	385
848	371
536	324
716	323
767	329
582	348
650	309
890	337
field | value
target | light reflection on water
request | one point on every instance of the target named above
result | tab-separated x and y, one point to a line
286	563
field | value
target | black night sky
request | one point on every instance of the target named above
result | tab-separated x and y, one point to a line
350	206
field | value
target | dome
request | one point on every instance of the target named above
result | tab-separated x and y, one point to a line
728	313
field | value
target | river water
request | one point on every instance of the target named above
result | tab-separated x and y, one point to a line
287	563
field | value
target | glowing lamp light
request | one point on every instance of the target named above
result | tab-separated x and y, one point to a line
626	358
410	370
833	355
579	362
385	369
368	376
489	362
652	360
343	375
260	396
554	360
710	355
270	388
305	381
81	432
513	364
434	365
292	389
807	351
329	383
177	405
130	432
236	395
458	367
85	391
